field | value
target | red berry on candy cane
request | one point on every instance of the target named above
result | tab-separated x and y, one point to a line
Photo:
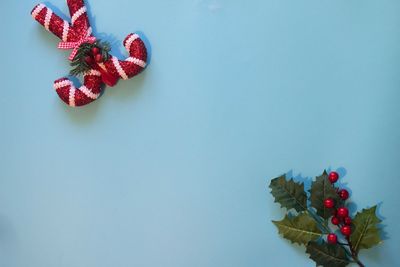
99	58
333	177
95	50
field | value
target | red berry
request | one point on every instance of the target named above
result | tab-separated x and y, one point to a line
95	50
342	212
329	203
88	60
333	177
335	220
99	58
346	230
331	238
347	220
344	194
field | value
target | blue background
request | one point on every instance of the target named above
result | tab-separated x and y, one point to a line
171	168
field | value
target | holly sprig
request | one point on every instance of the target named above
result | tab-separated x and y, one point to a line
321	221
88	54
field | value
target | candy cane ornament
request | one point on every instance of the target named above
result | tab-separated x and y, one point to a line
89	56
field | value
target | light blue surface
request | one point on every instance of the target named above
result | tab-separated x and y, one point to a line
171	168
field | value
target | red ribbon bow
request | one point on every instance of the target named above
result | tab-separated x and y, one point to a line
75	45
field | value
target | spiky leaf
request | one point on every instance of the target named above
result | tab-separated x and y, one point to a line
327	255
366	232
300	229
322	189
288	193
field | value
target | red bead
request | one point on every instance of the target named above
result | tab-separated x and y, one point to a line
95	50
347	221
329	203
333	177
99	58
342	212
344	194
331	238
335	220
89	60
346	230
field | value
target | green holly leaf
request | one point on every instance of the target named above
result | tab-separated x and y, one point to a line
300	229
327	255
288	193
366	232
322	189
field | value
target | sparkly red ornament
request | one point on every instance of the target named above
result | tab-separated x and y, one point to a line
335	220
76	35
331	238
342	212
347	220
345	230
344	194
329	203
333	177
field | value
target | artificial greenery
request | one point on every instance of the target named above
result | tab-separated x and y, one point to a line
80	63
289	194
366	235
327	255
299	229
322	189
310	221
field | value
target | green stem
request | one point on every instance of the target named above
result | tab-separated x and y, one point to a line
321	223
354	254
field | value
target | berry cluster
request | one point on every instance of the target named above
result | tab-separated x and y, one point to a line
89	55
94	56
340	216
313	218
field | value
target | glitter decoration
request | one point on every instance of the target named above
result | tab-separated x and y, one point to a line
90	57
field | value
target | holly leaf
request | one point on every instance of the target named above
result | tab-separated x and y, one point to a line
322	189
288	193
300	229
327	255
366	232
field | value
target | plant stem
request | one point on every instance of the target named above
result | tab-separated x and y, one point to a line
319	222
325	227
354	254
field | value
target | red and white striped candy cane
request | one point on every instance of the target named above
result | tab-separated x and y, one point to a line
78	32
